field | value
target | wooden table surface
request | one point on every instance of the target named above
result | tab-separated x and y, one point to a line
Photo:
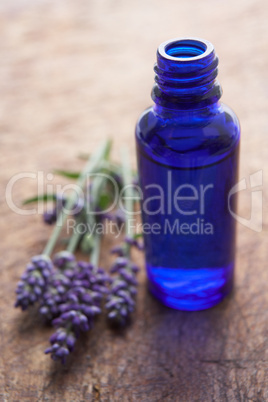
71	74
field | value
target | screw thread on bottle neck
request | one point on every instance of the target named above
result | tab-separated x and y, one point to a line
186	72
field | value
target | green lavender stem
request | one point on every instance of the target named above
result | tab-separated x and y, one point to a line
93	161
129	201
74	240
95	255
97	187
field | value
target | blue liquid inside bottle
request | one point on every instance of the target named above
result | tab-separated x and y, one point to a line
187	148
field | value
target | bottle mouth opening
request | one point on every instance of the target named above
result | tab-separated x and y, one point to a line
185	49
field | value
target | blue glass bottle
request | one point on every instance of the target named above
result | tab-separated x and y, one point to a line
187	150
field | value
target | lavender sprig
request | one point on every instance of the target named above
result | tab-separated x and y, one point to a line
82	304
120	302
61	280
83	298
58	284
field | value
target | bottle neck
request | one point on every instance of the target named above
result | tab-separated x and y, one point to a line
190	115
186	72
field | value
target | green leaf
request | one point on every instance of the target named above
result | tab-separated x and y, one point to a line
68	174
137	235
42	197
104	201
108	148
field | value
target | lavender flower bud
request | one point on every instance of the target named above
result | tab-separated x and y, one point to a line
120	302
78	310
134	243
119	250
33	281
120	262
58	285
64	259
62	343
51	216
120	217
54	295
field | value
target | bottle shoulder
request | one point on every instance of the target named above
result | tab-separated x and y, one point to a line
223	121
187	135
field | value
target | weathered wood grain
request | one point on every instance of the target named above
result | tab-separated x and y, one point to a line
71	74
